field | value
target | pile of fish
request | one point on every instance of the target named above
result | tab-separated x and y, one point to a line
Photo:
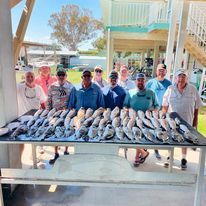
121	125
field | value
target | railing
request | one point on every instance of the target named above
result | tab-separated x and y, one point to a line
197	24
137	14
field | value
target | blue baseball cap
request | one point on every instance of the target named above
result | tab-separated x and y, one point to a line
140	75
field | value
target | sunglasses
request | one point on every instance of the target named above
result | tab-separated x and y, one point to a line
98	71
61	74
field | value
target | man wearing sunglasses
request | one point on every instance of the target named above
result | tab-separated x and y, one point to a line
159	86
58	96
114	94
29	95
89	95
141	99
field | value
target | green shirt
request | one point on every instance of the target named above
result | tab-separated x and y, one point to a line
141	100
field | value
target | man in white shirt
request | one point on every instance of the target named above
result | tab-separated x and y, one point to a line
29	95
123	80
184	99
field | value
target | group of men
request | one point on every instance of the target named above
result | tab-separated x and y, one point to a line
57	92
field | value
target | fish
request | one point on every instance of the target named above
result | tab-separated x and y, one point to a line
88	121
57	113
81	132
177	121
125	121
107	113
131	123
92	133
89	113
102	123
176	136
140	114
164	124
132	113
115	112
25	118
81	112
123	114
119	133
59	131
96	121
147	123
71	113
128	132
53	120
38	122
100	133
188	135
116	122
155	122
137	134
22	129
59	122
155	114
161	135
31	122
64	113
39	131
148	135
171	122
108	132
51	113
48	132
44	113
45	123
78	121
148	114
139	123
98	112
13	125
161	114
38	112
69	131
67	122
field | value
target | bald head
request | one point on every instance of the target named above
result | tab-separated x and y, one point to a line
29	77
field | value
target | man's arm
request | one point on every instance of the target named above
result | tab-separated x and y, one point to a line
195	120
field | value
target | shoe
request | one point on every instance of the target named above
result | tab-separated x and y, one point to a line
183	164
52	161
157	155
136	163
166	164
66	153
142	160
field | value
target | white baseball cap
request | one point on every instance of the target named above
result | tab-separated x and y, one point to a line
181	71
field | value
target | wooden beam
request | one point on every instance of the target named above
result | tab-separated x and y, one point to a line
21	30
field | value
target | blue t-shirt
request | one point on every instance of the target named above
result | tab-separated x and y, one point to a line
114	97
158	87
91	97
141	100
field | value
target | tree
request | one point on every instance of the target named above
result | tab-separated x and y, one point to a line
100	43
73	25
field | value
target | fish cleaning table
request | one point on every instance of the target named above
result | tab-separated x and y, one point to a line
98	164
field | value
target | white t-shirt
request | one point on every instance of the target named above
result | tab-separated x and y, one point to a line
29	98
184	104
127	85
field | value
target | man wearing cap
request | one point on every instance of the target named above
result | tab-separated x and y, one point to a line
123	81
113	94
184	99
45	79
58	97
159	86
98	79
89	95
143	99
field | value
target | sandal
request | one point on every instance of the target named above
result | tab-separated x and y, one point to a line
142	160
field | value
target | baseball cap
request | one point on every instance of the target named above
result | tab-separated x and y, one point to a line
86	71
113	75
140	75
123	67
98	68
161	66
181	71
61	71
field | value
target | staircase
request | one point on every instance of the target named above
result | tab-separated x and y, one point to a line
195	42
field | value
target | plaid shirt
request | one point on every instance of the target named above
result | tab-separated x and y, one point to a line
58	95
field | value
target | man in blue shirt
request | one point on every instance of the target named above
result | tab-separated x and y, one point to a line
141	99
159	86
113	94
88	96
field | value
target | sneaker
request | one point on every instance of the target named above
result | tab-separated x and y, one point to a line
66	153
157	154
183	164
166	164
52	161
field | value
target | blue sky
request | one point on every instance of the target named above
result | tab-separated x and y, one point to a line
38	29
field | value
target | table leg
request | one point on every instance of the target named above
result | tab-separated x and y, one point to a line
171	151
1	196
200	178
34	156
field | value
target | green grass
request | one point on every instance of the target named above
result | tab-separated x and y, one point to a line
75	77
